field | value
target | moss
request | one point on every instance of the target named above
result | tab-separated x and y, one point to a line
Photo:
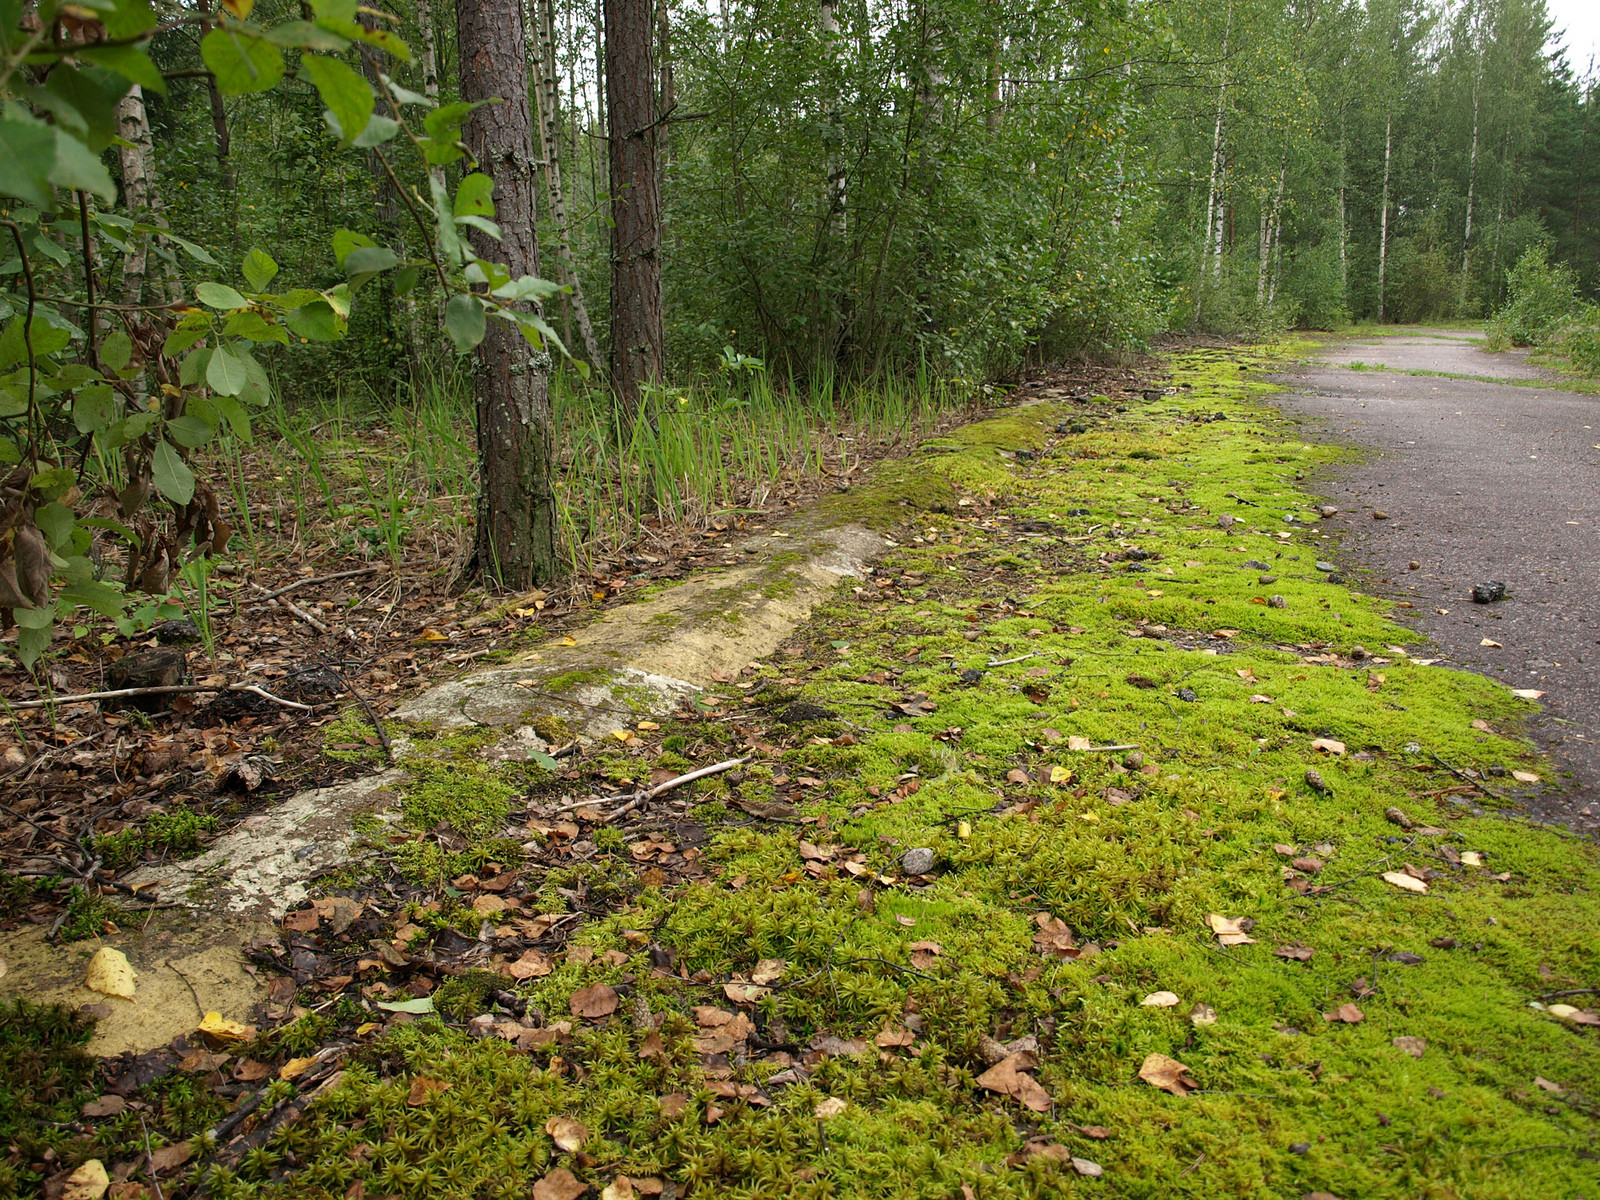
350	730
174	833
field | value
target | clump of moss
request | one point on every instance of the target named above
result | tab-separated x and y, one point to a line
176	832
48	1075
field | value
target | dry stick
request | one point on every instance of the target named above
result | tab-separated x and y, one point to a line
1459	774
383	735
634	799
1005	662
304	616
150	1158
165	690
1104	749
310	579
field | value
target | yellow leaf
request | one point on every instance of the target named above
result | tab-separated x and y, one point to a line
239	8
215	1025
431	634
622	735
1401	880
295	1067
964	830
110	973
644	725
569	640
88	1182
1524	777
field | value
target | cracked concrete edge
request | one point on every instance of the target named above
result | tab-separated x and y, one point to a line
639	660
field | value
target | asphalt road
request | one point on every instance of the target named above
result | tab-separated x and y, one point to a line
1481	480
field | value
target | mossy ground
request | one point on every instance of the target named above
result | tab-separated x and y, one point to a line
1223	693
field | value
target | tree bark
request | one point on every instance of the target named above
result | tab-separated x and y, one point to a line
515	542
1383	224
138	188
430	67
547	95
219	121
1214	197
636	322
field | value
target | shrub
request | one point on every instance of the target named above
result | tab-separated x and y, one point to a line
1541	295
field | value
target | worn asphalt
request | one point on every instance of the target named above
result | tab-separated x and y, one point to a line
1480	480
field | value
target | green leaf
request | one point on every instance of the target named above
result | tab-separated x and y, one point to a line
449	239
346	240
474	196
481	223
315	322
242	63
225	373
252	325
364	262
128	19
172	476
93	408
258	269
334	10
379	130
55	521
131	62
348	96
34	640
181	339
234	414
189	431
406	278
464	321
92	93
79	167
9	453
198	253
116	351
447	119
421	1004
356	32
219	295
193	368
303	35
258	389
103	598
27	157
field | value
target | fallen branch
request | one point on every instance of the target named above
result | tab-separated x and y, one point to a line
305	616
1006	662
171	689
634	799
1462	775
1103	749
310	579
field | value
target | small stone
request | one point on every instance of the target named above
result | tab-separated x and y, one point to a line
1134	761
1488	593
1227	521
1266	579
1187	695
1379	515
1317	783
1277	602
1336	578
1300	1148
1327	566
1254	564
1413	565
1358	652
917	861
481	1026
1328	510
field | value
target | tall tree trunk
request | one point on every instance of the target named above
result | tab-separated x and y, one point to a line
1214	192
636	321
1383	223
828	29
138	188
515	542
430	68
1472	183
1344	222
219	123
547	96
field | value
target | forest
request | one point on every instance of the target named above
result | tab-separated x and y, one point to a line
823	215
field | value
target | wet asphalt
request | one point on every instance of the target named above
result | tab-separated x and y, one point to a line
1481	480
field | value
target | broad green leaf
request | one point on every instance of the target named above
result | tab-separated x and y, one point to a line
449	240
257	388
422	1004
381	38
526	287
93	408
27	157
303	35
252	325
334	10
55	521
404	95
315	322
172	476
79	167
258	268
339	296
348	96
346	240
539	333
198	253
225	373
364	262
128	19
116	351
190	431
103	598
131	62
446	120
380	129
181	339
219	295
92	93
43	337
8	450
483	224
193	368
474	196
234	414
34	640
464	321
406	278
242	63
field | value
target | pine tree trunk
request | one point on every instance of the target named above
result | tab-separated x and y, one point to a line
547	95
515	543
1383	223
1344	224
636	320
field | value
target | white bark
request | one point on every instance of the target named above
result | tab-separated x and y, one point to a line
1383	224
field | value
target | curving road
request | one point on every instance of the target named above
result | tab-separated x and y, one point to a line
1482	479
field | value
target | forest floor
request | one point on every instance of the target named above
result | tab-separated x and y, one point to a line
1103	839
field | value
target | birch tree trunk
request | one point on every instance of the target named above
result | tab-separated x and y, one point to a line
547	97
430	69
515	541
1214	197
1383	223
138	188
636	320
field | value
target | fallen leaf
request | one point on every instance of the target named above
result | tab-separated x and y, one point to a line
424	1089
1401	880
1328	746
1471	858
1491	642
105	1106
1527	693
924	954
110	974
593	1002
1229	930
653	1047
566	1133
1413	1046
532	965
1202	1014
1084	1167
1524	777
170	1158
1054	937
1009	1077
1298	953
620	1188
215	1025
1168	1074
768	970
831	1107
674	1105
295	1068
1547	1085
1079	743
88	1182
1348	1014
560	1184
1160	1000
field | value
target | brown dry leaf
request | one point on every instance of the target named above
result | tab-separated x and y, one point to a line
673	1105
1009	1078
924	954
1229	930
1202	1014
1054	937
88	1182
294	1068
1413	1046
1524	777
1160	1000
1407	882
110	974
1328	746
532	965
831	1107
769	970
1547	1085
889	1037
304	921
594	1002
560	1184
1298	953
566	1133
249	1070
1017	775
424	1089
1349	1014
105	1106
170	1158
620	1188
339	911
1098	1132
1168	1074
653	1047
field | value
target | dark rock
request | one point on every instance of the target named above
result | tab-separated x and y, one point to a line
801	713
1137	569
1254	564
917	861
1077	512
1488	593
1266	579
176	633
1335	578
1025	455
971	676
1137	555
1188	695
1277	602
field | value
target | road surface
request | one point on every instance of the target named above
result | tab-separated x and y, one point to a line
1482	479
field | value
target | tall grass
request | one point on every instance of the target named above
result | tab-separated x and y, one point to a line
379	479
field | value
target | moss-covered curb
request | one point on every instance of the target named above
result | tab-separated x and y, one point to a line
1142	584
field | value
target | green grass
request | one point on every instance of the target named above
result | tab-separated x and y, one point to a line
1287	1103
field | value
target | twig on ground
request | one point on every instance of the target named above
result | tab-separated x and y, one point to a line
149	1157
1460	774
1105	749
634	799
305	616
377	724
1006	662
165	690
190	986
306	582
1589	991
